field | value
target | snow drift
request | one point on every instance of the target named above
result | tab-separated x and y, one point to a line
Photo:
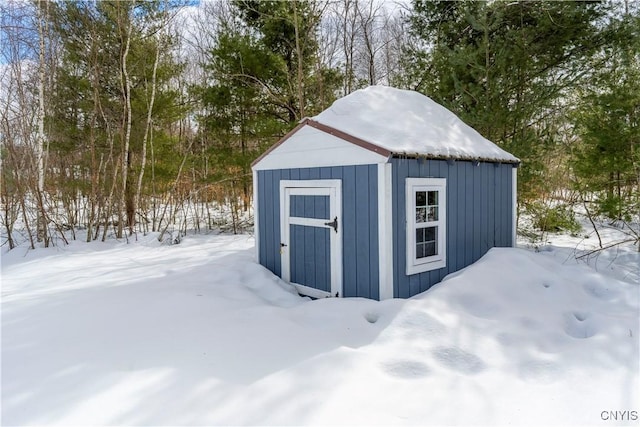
199	334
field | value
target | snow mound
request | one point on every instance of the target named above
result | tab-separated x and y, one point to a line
407	122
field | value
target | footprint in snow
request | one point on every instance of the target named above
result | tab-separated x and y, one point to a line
406	368
599	291
371	317
459	360
579	324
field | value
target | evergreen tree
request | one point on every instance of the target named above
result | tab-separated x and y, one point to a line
264	76
607	158
505	67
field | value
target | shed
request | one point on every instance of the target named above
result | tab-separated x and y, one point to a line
380	196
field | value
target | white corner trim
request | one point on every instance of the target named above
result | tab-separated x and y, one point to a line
256	226
385	231
285	267
514	191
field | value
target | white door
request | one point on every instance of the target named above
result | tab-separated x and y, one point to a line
311	236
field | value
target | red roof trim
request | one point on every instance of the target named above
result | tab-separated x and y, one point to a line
349	138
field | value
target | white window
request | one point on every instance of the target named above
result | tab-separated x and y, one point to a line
426	224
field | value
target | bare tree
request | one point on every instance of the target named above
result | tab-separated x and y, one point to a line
42	11
148	128
349	27
371	36
24	90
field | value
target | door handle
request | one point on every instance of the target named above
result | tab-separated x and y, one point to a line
333	224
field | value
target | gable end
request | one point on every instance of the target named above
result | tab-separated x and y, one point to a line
312	144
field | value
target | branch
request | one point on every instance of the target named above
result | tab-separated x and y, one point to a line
278	100
584	203
606	247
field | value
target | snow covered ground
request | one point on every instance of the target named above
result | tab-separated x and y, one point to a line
199	334
620	261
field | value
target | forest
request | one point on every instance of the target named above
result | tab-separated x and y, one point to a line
126	117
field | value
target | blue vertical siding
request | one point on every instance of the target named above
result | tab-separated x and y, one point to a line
359	223
350	279
271	225
479	215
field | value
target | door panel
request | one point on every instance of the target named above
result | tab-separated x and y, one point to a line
310	258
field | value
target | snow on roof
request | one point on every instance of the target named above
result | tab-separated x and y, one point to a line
407	122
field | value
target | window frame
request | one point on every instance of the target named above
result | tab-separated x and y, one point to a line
417	265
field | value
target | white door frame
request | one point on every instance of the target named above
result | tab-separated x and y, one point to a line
319	187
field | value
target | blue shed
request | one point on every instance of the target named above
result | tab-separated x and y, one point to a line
380	196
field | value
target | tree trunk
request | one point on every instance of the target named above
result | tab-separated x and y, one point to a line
300	88
147	133
126	196
41	223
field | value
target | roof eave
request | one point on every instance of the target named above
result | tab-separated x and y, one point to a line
375	148
458	158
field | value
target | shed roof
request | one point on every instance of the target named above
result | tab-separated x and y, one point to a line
408	123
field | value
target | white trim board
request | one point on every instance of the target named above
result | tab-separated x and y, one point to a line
310	183
385	231
514	195
256	226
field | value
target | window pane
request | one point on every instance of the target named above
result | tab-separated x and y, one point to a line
430	234
433	198
421	198
421	214
432	213
430	249
426	242
420	250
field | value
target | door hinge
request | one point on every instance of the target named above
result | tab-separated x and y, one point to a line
333	224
